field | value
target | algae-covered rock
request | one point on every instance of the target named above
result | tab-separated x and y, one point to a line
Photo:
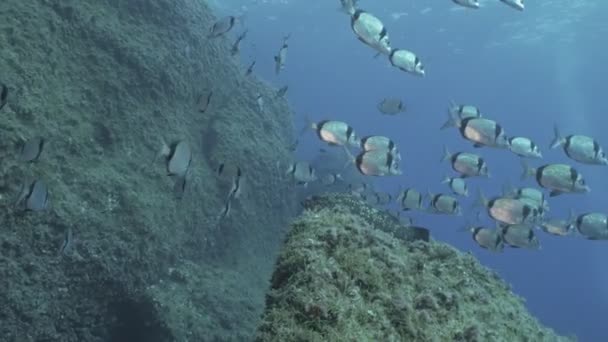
104	81
340	277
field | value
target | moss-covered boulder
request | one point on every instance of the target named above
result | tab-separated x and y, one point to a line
104	81
341	277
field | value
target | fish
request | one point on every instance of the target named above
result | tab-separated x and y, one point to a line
378	142
370	31
593	226
533	194
236	47
3	95
487	238
282	91
377	163
558	178
516	4
406	61
410	199
508	210
250	69
480	131
330	178
557	227
358	187
391	106
467	164
460	112
179	186
348	6
204	100
580	148
259	100
520	236
457	184
235	189
524	147
467	3
377	198
336	133
281	58
32	149
302	172
444	204
225	210
178	157
34	196
533	203
67	244
222	26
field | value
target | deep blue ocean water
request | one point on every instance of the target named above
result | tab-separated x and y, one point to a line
526	70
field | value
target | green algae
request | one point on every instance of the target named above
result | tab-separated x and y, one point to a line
341	277
104	82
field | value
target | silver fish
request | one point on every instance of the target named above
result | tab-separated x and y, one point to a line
204	100
467	3
3	95
533	194
508	210
349	6
32	149
377	163
406	61
336	133
557	227
580	148
520	236
480	131
34	196
302	172
236	47
593	226
281	58
330	178
467	164
222	26
460	112
178	157
282	91
444	204
410	199
391	106
559	178
487	238
516	4
524	147
250	69
377	198
379	142
371	31
457	184
259	100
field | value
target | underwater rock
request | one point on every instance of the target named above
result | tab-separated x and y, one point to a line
104	82
341	277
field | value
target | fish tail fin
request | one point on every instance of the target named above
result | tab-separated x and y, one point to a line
446	154
452	121
446	179
526	170
557	139
571	221
481	200
350	159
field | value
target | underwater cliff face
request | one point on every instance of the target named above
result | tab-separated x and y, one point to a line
341	277
104	82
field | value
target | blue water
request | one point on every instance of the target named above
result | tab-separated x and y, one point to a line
526	70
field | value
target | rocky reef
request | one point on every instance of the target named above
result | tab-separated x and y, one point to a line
342	276
103	82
